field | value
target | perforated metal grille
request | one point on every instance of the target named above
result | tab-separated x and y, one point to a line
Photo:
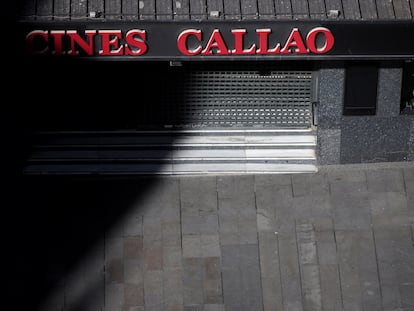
251	98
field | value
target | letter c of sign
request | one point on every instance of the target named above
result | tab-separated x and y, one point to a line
31	37
182	42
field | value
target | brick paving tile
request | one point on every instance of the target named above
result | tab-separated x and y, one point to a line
336	240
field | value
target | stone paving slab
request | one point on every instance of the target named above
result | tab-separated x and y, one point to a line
339	239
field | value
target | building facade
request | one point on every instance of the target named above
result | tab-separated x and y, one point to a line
178	87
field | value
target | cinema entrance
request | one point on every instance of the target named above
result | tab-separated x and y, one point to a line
193	118
206	97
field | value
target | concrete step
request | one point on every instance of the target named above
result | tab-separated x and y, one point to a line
174	152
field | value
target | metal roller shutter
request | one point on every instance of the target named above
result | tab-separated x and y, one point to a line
260	98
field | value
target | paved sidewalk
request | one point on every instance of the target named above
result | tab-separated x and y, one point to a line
340	239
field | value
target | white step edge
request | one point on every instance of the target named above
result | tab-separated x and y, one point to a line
179	131
176	154
241	168
186	169
245	139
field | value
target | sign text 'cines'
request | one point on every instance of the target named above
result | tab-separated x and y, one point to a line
189	42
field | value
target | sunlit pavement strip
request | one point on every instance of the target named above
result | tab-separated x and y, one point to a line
339	239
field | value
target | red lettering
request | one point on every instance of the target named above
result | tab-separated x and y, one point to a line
294	41
135	42
34	36
216	42
57	40
264	43
110	42
182	42
238	43
86	46
312	36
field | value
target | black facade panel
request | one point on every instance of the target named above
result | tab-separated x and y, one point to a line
407	90
361	90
